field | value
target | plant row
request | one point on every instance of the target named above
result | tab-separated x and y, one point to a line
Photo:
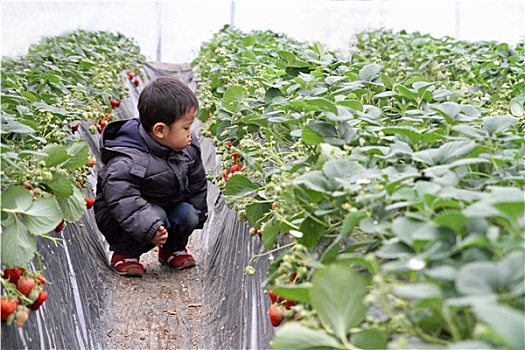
388	190
60	84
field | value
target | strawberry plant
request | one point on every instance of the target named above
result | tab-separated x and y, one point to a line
388	182
61	83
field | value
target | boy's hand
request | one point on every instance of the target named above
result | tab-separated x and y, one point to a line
160	236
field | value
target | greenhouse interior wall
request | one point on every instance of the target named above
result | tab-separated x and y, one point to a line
172	33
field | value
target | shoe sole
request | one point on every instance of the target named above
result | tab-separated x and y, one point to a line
130	273
185	266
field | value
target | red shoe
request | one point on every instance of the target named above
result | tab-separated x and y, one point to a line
178	260
127	265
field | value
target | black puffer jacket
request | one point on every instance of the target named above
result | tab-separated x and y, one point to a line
138	171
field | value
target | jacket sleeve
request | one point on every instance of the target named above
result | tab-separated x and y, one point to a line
198	185
121	190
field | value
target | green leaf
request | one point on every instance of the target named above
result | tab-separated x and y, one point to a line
296	292
311	137
337	294
511	271
407	93
412	133
11	124
343	114
316	181
418	291
409	230
442	273
428	156
287	56
369	339
449	110
456	221
349	222
453	150
506	321
497	124
270	232
239	185
56	155
322	103
79	153
470	131
369	72
516	107
298	337
60	185
74	206
470	345
394	250
43	216
343	172
18	246
232	97
323	129
312	232
47	108
256	210
479	277
16	198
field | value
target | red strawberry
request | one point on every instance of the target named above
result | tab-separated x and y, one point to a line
75	127
293	277
235	168
114	103
131	75
60	226
276	315
136	82
229	144
288	304
42	296
8	306
225	175
236	156
107	117
273	296
25	285
40	279
89	202
101	125
13	274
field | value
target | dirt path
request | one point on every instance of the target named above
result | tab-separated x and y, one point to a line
161	310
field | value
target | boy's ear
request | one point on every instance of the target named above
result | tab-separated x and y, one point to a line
159	130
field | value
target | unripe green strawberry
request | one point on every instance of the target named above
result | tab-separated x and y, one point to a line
33	295
22	314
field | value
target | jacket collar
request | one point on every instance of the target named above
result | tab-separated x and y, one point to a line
156	148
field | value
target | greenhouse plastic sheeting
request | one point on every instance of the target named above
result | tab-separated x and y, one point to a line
87	300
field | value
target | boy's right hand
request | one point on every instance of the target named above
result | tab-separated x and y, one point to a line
160	236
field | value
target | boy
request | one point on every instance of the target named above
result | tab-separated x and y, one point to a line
152	188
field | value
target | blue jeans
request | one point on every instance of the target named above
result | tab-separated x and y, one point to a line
179	221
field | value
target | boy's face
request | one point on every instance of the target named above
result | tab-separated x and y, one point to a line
178	135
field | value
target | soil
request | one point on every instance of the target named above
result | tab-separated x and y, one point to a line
161	310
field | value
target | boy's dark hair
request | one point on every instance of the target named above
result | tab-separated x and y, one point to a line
165	100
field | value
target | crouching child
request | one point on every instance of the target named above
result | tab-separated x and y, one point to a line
151	190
